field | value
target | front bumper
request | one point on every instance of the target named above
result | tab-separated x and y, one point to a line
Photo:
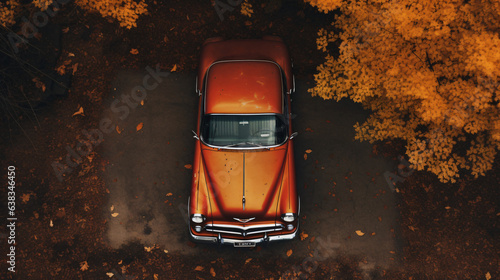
222	240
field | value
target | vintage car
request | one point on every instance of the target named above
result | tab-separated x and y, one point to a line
243	186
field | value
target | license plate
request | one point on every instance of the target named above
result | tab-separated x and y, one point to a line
244	244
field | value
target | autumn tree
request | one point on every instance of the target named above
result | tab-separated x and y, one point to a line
428	71
125	11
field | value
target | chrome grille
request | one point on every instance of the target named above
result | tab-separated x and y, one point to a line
243	230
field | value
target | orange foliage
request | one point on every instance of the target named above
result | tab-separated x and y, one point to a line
427	70
125	11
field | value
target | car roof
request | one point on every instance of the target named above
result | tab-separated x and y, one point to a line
244	87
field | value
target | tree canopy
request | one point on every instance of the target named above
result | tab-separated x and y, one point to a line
427	70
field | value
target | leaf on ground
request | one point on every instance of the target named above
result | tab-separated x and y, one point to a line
360	233
174	68
84	266
112	207
310	130
139	126
199	268
305	156
65	30
188	166
303	236
79	112
487	276
212	272
155	276
142	102
248	260
75	68
114	215
25	197
309	151
51	224
110	274
118	130
289	252
169	194
134	51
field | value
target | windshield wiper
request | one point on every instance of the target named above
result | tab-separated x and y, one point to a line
257	145
243	143
231	145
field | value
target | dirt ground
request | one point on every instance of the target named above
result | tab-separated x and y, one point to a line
444	231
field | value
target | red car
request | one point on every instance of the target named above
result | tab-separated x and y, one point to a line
243	188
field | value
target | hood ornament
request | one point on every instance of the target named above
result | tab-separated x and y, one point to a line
244	220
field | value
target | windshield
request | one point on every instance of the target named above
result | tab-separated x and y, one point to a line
243	130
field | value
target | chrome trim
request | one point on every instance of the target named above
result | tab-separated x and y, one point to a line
266	238
244	220
247	227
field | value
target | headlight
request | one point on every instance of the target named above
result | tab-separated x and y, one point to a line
288	217
197	218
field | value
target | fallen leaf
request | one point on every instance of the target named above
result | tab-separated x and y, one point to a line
118	130
360	233
65	30
166	251
79	112
84	266
75	67
110	274
51	223
303	236
305	156
309	151
169	194
310	130
155	276
488	276
447	208
139	126
248	260
112	207
25	197
289	252
174	68
114	215
199	268
212	271
142	102
188	166
134	51
149	249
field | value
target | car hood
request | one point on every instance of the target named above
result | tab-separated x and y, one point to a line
255	175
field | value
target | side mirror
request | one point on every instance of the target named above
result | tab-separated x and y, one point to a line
195	136
294	135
